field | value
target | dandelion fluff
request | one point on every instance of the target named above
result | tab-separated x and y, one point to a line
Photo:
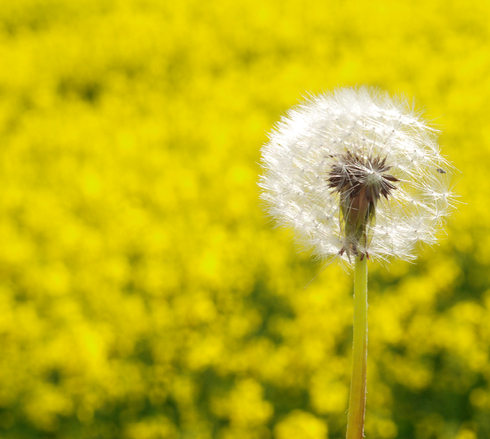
356	173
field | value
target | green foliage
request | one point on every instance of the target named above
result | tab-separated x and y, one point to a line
144	295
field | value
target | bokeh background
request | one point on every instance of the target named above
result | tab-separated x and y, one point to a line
143	292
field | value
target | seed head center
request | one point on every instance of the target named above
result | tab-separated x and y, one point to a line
360	182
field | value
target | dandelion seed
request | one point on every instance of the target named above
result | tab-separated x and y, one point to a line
364	158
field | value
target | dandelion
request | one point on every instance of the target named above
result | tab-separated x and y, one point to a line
358	175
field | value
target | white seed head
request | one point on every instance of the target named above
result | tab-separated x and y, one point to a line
356	172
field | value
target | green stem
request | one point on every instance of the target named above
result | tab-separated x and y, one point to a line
357	400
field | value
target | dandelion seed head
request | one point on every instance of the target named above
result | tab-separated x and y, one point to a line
356	172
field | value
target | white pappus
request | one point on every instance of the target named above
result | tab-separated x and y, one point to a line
356	172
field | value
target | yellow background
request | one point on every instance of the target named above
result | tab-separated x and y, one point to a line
143	292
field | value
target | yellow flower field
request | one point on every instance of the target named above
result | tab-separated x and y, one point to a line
144	294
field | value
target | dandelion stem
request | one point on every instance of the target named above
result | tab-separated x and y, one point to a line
357	400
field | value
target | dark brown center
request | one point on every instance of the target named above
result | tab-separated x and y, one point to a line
360	182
